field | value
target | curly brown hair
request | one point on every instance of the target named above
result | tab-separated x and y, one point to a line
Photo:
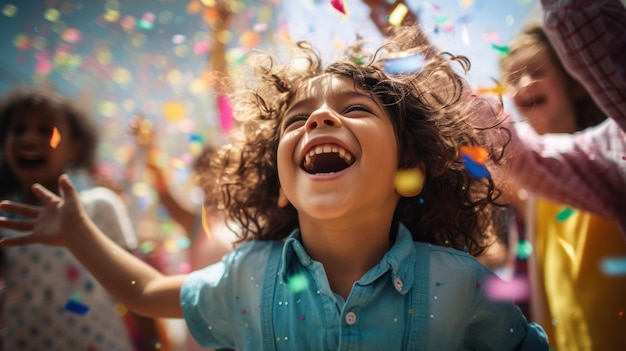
432	112
83	128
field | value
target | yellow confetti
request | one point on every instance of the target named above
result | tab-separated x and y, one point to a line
398	14
55	139
173	111
205	222
498	89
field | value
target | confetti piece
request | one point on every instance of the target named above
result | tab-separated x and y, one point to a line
564	214
174	111
498	90
205	222
478	154
614	266
55	139
405	65
502	49
226	113
397	15
76	307
524	249
409	181
338	5
297	283
475	169
517	289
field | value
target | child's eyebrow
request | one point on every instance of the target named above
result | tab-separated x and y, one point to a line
337	96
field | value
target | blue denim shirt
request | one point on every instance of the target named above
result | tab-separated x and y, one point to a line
270	295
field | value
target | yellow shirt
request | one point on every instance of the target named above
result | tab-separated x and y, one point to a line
584	308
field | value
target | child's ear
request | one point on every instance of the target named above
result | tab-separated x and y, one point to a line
283	201
75	151
409	182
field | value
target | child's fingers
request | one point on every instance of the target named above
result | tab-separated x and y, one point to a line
19	225
18	241
67	188
20	209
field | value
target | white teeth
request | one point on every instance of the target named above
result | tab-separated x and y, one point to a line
326	149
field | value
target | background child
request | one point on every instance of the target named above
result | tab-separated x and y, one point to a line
588	38
573	300
43	135
316	180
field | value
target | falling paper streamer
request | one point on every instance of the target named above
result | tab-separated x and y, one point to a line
226	113
338	5
55	139
76	307
404	65
474	168
397	15
205	222
465	34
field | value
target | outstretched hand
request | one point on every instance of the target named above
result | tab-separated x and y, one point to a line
53	223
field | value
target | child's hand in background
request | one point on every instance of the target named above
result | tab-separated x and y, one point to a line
55	223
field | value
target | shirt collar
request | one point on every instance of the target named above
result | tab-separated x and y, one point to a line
399	260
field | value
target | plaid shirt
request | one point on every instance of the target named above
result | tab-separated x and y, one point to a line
586	170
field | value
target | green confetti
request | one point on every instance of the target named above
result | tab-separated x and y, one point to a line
524	249
297	283
564	214
439	284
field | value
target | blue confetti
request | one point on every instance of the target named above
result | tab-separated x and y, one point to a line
405	65
76	307
614	266
475	169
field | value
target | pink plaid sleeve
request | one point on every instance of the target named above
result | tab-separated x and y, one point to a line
590	38
586	170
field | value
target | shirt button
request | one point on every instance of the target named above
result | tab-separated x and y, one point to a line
350	318
398	284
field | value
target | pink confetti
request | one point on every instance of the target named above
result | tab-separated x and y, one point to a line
338	5
516	289
226	113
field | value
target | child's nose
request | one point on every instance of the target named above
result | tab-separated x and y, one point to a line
322	118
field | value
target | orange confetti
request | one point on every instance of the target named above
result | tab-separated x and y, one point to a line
205	222
477	153
55	139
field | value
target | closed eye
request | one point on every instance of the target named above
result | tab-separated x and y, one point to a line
294	121
353	108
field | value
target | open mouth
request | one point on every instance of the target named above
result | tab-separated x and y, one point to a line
326	159
30	162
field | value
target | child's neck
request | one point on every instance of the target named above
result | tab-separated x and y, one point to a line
346	254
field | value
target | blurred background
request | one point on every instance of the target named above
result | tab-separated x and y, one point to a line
160	59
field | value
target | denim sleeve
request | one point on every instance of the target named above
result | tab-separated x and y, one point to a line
500	325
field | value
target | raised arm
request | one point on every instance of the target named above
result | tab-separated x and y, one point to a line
590	39
62	221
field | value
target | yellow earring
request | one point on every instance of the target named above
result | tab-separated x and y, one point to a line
409	182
